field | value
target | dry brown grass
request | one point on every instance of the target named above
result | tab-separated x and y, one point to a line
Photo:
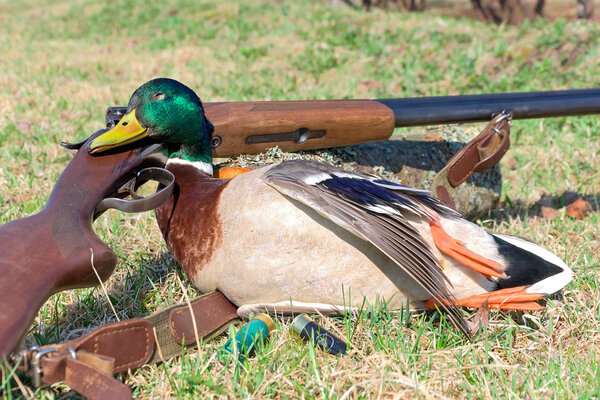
63	63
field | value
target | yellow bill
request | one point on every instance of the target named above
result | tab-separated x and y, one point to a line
128	130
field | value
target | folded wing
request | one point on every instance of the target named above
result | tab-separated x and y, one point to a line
374	210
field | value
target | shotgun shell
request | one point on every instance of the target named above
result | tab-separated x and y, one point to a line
258	328
308	329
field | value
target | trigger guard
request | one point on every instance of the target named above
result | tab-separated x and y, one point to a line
139	203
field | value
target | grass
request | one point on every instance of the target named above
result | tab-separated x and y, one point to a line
64	62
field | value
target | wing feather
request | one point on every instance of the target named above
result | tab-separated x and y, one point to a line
374	210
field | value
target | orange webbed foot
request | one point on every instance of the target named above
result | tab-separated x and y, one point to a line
515	298
457	250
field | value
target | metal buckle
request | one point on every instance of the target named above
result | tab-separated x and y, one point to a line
502	116
72	353
22	358
36	365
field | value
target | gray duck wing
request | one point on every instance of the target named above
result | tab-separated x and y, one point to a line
374	210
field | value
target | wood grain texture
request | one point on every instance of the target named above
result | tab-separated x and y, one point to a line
344	122
51	251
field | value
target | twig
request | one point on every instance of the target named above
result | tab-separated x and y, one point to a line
160	354
189	304
27	393
103	287
7	372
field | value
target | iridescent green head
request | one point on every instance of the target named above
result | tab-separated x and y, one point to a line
167	111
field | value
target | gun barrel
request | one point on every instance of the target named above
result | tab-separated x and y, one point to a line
253	126
481	107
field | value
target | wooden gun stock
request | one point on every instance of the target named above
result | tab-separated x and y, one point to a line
251	127
52	250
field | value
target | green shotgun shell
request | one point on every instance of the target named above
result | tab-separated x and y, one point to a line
258	328
308	329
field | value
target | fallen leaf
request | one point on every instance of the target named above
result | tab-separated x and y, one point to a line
368	85
512	164
579	209
395	88
549	213
481	318
434	137
18	198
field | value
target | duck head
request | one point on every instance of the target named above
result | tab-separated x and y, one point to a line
167	111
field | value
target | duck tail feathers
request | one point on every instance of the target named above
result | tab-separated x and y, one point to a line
531	265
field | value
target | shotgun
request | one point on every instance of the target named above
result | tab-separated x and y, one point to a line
56	249
252	127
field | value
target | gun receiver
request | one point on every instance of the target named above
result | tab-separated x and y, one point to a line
251	127
52	250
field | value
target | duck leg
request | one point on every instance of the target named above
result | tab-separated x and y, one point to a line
516	298
457	250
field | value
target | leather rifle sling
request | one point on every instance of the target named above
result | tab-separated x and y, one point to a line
87	364
480	154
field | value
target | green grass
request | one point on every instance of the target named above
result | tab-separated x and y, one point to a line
63	63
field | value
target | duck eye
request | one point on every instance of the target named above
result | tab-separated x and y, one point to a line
159	96
124	123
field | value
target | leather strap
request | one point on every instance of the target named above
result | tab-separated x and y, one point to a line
480	154
130	343
213	315
93	383
87	364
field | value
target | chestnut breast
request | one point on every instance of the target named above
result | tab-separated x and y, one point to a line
192	213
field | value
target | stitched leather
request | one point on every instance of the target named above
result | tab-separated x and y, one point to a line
94	384
130	343
55	365
481	153
210	314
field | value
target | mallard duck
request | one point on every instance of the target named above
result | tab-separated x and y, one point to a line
299	235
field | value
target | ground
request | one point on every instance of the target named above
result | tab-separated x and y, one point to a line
553	10
64	62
